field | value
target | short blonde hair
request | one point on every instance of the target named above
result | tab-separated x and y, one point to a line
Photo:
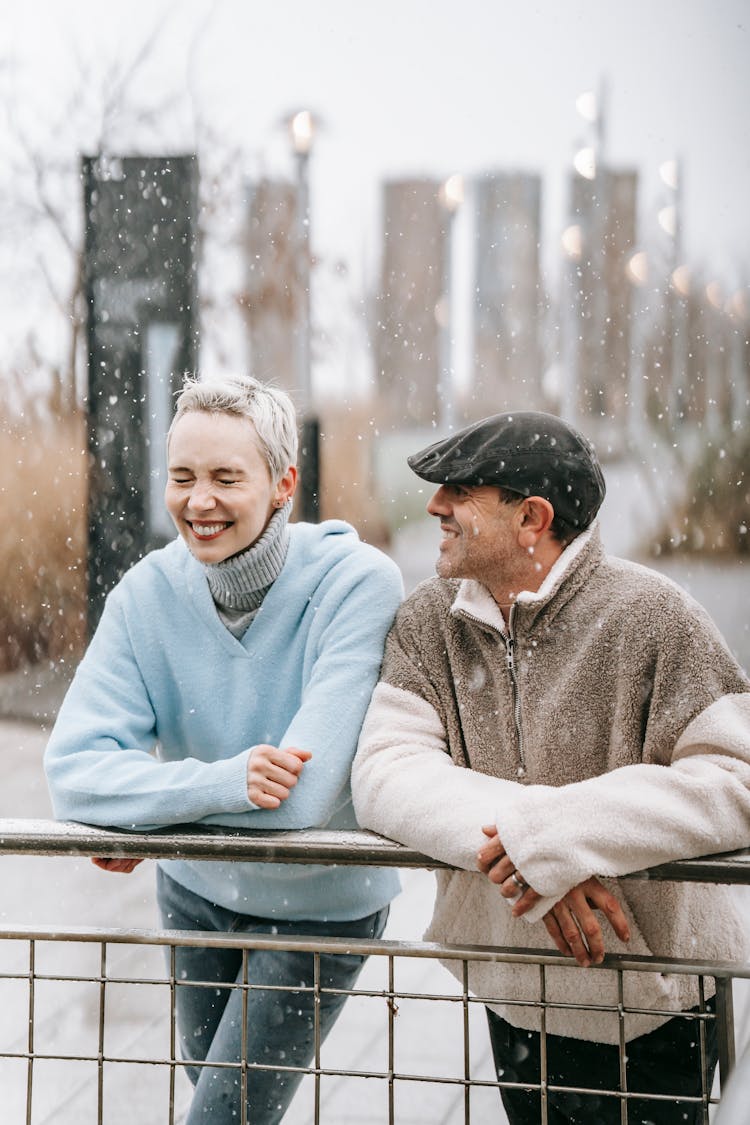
269	409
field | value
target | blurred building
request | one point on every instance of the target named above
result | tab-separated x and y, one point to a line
271	295
508	292
276	303
406	330
598	296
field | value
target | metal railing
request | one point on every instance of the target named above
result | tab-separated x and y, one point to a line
28	1048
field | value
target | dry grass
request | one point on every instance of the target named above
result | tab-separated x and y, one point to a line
42	541
43	526
715	519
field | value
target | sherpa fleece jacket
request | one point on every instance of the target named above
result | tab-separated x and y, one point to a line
606	730
166	705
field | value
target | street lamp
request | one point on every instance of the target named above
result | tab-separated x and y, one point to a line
680	278
588	312
637	269
572	242
669	218
584	162
302	132
451	197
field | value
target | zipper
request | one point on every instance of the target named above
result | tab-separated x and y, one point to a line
510	664
510	643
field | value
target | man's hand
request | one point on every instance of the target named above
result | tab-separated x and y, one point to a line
574	927
125	866
273	773
571	923
499	869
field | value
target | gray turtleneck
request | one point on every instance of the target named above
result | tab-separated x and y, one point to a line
238	585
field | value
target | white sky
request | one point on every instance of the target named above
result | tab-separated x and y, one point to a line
411	86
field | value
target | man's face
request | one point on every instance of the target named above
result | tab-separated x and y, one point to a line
480	537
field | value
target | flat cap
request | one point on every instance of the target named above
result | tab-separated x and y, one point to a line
527	451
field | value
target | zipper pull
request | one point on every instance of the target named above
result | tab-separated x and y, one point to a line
509	663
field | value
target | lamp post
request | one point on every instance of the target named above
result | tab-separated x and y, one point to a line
715	371
738	308
637	271
451	198
583	245
670	221
301	132
572	246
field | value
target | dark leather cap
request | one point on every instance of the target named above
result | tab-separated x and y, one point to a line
532	453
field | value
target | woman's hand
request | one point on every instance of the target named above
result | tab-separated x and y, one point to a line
124	866
273	773
271	776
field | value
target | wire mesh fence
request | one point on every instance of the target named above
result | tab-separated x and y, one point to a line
88	1029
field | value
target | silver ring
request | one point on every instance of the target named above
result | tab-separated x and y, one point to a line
519	881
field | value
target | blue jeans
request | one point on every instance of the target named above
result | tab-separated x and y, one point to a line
280	1025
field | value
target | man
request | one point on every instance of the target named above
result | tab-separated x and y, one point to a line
549	714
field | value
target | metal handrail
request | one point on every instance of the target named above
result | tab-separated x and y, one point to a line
310	845
321	846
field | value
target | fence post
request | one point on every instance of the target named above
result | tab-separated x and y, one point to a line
725	1028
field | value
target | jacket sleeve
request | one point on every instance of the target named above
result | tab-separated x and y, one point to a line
696	803
99	760
404	782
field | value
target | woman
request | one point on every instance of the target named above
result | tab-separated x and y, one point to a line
226	683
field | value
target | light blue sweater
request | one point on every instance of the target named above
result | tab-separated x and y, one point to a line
165	707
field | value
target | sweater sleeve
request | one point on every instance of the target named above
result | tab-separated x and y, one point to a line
100	764
337	691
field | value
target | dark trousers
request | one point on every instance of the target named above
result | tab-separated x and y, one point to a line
666	1061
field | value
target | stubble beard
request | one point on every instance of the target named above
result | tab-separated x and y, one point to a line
487	567
457	562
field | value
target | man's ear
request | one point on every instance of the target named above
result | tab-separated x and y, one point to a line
536	516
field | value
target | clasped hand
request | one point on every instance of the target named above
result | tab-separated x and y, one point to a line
271	775
571	923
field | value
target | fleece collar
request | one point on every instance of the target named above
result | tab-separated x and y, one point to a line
475	601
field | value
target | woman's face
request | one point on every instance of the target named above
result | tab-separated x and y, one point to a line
219	492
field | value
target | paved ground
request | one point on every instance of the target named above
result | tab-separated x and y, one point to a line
38	891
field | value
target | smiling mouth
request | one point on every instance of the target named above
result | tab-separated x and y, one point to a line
205	531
